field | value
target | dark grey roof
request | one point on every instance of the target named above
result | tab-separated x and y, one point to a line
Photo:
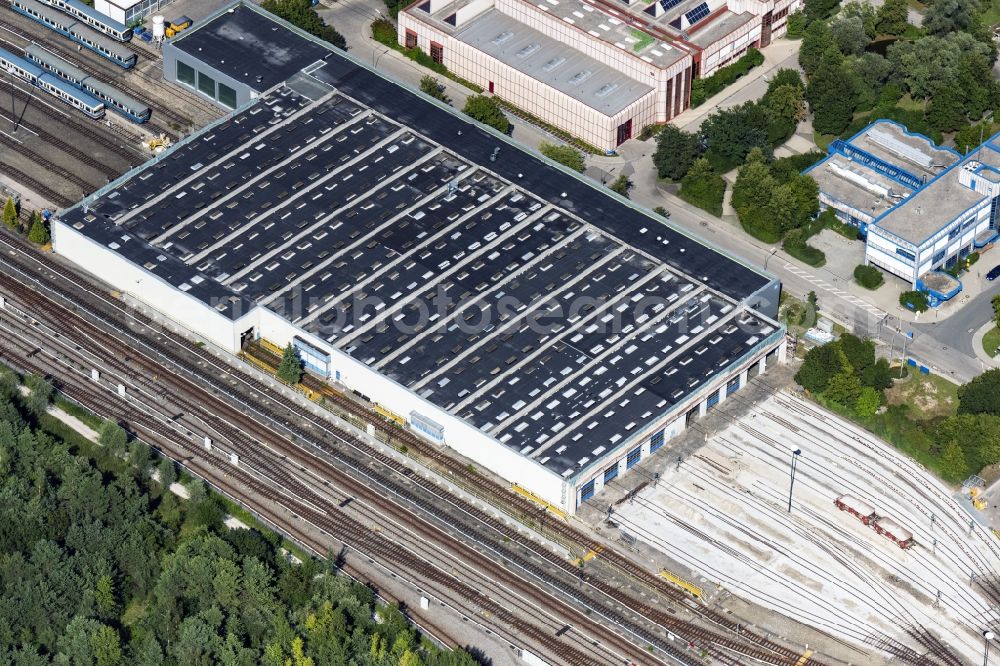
248	47
394	245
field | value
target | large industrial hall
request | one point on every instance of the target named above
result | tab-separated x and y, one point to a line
550	331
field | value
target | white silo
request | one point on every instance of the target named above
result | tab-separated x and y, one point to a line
159	29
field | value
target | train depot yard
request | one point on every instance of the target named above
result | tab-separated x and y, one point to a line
52	153
524	399
723	511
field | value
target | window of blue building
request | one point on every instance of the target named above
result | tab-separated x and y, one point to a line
610	473
713	399
938	258
955	232
633	457
905	254
655	442
587	491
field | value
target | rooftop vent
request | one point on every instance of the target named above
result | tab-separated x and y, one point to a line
580	77
552	64
607	89
503	37
528	50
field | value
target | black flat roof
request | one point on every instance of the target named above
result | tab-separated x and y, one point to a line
244	44
376	221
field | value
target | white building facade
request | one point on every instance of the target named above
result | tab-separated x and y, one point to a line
656	51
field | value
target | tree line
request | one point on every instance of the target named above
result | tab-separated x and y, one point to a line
100	565
866	63
726	137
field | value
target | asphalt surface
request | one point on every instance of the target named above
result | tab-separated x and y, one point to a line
956	331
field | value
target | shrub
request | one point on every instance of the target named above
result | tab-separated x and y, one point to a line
796	245
621	185
914	300
487	111
702	89
662	212
429	85
796	25
384	32
868	277
704	188
565	155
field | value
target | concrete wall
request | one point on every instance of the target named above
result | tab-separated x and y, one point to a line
459	435
145	286
171	55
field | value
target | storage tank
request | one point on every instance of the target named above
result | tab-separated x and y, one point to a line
158	27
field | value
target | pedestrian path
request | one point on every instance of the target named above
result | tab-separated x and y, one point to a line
826	286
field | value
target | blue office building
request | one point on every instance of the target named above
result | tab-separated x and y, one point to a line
920	207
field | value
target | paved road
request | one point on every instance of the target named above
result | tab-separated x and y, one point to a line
353	18
957	330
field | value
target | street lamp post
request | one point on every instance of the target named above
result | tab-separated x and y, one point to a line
796	452
768	257
987	637
376	56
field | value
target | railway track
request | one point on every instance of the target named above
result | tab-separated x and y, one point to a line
50	41
129	156
286	490
36	185
46	164
748	644
71	150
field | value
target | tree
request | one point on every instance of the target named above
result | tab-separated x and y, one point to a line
945	112
813	299
860	354
977	434
868	277
676	151
863	11
106	644
925	65
849	35
166	472
814	44
831	102
104	597
703	187
870	71
486	110
844	389
815	10
784	77
971	136
868	402
10	214
39	395
878	375
953	466
946	16
114	438
302	14
38	233
429	85
893	17
621	185
995	302
981	395
730	135
563	154
819	367
290	367
796	25
976	85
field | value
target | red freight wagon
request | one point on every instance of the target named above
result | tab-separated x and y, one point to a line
860	509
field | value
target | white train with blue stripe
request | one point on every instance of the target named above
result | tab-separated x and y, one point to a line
92	17
36	76
77	31
113	99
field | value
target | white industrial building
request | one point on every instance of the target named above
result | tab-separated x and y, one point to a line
499	304
597	69
919	206
129	12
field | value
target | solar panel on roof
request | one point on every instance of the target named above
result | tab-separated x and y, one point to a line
697	14
669	4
